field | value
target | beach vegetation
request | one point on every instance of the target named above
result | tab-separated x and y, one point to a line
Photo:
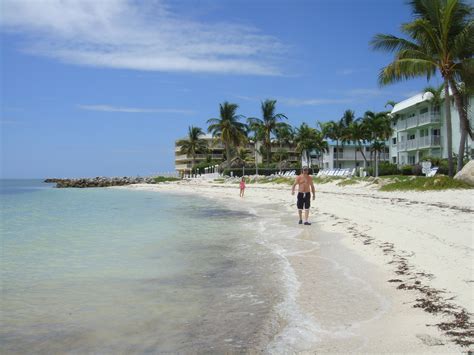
227	128
385	168
351	181
439	40
158	179
420	183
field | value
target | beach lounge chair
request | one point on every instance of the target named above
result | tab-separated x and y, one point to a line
432	172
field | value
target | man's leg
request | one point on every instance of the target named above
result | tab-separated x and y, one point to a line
300	213
306	214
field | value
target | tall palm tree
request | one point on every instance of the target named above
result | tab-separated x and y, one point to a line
379	128
357	133
441	40
284	134
254	126
308	139
227	128
193	144
334	131
268	124
436	96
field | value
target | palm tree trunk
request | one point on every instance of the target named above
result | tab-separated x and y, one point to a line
227	153
355	157
449	133
362	152
377	163
463	122
337	153
281	149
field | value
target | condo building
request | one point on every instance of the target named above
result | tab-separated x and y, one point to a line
420	130
348	156
215	152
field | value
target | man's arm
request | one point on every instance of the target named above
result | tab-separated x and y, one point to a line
294	185
313	189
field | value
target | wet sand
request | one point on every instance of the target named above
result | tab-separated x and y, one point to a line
349	283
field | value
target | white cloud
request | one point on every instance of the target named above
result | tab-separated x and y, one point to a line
108	108
121	34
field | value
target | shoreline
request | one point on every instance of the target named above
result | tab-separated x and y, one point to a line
394	272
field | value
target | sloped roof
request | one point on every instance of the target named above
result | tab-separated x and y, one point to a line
411	101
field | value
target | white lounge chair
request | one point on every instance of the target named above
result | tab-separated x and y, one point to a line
432	172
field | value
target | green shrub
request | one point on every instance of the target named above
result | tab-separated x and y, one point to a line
406	170
426	183
385	168
159	179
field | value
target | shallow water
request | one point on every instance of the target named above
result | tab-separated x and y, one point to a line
110	270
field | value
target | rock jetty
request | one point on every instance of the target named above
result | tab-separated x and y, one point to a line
100	181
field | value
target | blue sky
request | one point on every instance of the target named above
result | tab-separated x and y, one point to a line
105	87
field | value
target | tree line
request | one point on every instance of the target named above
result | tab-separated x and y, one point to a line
439	41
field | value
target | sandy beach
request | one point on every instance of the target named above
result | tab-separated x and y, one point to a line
375	272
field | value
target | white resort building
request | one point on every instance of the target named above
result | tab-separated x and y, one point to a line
420	130
348	156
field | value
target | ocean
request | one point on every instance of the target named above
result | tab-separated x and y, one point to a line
116	271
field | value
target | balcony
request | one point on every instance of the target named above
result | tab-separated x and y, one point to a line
419	143
285	149
184	157
419	120
350	156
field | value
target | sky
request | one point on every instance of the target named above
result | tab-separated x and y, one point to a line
105	87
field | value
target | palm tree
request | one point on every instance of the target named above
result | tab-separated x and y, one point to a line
379	128
334	131
308	139
390	103
436	96
268	124
440	41
254	126
284	134
193	144
227	128
358	133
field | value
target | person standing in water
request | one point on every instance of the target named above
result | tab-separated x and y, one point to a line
305	183
242	187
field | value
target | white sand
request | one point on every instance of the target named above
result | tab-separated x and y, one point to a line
427	237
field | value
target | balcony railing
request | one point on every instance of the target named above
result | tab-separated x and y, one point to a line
419	120
198	157
285	149
359	156
418	143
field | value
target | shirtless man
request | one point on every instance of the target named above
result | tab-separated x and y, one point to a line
304	182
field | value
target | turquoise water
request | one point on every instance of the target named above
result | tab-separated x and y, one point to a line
113	270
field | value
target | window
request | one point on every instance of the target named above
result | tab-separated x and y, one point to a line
436	132
424	110
394	160
411	159
357	164
411	114
394	141
411	136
